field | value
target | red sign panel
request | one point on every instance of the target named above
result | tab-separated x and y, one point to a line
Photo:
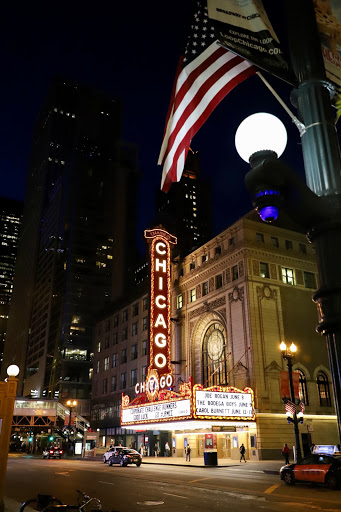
160	257
285	386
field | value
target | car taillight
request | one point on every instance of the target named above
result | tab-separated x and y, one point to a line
61	451
51	451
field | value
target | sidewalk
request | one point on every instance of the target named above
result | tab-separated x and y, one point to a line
265	466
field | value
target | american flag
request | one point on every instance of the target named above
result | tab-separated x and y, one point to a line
205	75
290	407
302	406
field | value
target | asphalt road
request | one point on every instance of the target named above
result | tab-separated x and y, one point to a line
154	488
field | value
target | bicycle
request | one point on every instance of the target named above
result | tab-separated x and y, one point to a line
49	503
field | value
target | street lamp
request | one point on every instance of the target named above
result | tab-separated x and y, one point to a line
70	404
316	206
8	390
288	353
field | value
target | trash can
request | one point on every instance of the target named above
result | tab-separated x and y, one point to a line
211	458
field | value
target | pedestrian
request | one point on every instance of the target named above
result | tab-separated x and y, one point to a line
242	453
188	453
156	449
167	449
286	452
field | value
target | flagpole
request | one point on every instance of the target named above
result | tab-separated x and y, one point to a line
300	126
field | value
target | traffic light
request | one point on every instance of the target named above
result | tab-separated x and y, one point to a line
51	438
30	439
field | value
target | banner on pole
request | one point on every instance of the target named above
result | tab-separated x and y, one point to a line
285	385
245	29
328	18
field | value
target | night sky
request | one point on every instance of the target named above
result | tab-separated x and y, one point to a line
130	50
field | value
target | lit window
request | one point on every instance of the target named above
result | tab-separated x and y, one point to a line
99	346
288	275
323	389
192	295
179	301
106	363
264	269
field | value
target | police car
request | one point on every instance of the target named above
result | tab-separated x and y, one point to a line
317	468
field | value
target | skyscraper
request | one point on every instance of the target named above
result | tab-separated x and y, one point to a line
77	233
10	220
186	208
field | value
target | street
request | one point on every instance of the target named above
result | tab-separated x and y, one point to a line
154	487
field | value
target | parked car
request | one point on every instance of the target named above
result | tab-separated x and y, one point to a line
125	456
111	450
55	452
319	468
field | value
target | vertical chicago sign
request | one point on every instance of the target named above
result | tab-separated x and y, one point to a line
159	370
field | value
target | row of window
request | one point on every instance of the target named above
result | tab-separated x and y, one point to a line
134	312
123	381
274	241
288	244
323	390
124	335
287	277
124	357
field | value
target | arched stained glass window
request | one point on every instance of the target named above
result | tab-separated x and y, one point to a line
303	391
323	389
214	356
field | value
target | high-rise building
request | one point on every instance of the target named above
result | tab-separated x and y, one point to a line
76	240
186	208
10	220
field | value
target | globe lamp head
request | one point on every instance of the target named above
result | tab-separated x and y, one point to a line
13	370
259	132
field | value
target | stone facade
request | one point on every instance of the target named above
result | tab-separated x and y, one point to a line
261	280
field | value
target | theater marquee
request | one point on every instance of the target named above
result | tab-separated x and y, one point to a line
226	403
197	403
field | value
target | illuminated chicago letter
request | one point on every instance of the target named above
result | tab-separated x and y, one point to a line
159	245
160	360
160	340
158	303
160	264
160	321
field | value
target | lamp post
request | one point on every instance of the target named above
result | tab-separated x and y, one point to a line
70	404
288	353
317	205
8	391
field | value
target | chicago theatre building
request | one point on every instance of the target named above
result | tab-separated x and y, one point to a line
196	360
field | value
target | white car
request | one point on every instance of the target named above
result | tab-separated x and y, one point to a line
111	451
